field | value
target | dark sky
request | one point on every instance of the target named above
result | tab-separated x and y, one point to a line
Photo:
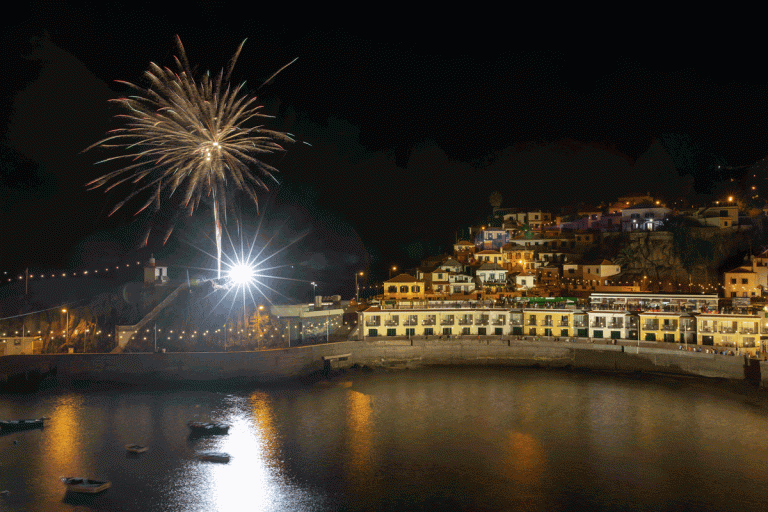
412	125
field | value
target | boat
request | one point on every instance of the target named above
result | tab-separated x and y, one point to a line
85	485
13	425
136	448
214	456
200	428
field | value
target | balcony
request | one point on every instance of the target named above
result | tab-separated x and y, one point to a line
597	325
727	330
499	321
516	322
372	324
465	321
409	323
579	324
391	323
446	321
562	324
615	325
428	322
650	327
668	327
747	331
483	321
705	328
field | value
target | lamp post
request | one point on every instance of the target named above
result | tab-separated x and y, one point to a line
66	329
258	325
357	288
314	291
393	269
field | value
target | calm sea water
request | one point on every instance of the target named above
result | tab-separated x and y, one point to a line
460	439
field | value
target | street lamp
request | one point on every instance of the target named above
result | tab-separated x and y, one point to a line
258	325
357	288
314	291
393	269
66	330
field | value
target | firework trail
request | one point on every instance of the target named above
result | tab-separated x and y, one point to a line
191	135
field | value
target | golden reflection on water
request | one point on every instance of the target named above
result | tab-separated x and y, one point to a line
524	461
360	425
62	445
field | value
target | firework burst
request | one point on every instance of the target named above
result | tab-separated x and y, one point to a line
191	135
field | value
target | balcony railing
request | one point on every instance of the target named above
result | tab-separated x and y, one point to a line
428	322
597	325
498	322
446	321
516	322
482	322
465	321
410	322
562	324
650	327
615	325
579	324
372	324
747	331
727	330
668	327
705	328
391	323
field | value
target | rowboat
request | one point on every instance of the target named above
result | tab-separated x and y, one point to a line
200	428
13	425
136	448
85	485
214	456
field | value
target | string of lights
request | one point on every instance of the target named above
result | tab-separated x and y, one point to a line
72	273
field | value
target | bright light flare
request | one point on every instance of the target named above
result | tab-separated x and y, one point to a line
242	274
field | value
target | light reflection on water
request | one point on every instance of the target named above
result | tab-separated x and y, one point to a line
458	439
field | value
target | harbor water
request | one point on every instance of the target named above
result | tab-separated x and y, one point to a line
460	439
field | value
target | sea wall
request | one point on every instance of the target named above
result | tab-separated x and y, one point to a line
277	365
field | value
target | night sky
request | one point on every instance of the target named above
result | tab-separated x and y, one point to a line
410	126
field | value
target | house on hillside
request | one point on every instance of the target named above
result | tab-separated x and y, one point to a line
492	274
644	217
491	238
404	286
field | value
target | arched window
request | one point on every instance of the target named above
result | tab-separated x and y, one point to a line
404	289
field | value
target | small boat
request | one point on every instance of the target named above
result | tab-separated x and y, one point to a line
85	485
200	428
12	425
214	456
136	448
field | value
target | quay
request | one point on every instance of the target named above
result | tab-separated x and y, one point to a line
285	364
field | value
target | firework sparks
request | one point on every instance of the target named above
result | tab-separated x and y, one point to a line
191	135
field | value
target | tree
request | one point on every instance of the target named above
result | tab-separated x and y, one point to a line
495	200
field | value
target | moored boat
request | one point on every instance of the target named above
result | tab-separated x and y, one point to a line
12	425
85	485
198	427
136	448
214	456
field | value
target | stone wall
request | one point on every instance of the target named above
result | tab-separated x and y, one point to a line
283	364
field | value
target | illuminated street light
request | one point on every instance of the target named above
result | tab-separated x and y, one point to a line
66	332
357	288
